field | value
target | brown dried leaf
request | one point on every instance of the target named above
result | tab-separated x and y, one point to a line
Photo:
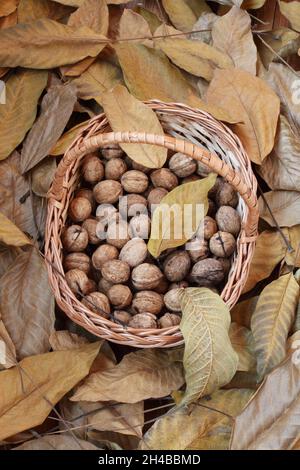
291	11
243	311
232	35
126	113
283	42
8	255
38	383
253	104
276	409
182	14
59	101
10	234
7	349
292	258
56	442
7	7
66	139
91	13
132	25
42	176
23	90
64	340
242	342
285	207
31	10
48	44
140	375
27	304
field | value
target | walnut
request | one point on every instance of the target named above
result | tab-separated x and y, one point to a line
116	271
207	228
75	238
107	191
118	233
212	208
120	296
106	213
143	321
104	286
228	220
112	151
207	273
97	303
198	249
132	204
191	179
226	195
218	185
92	168
115	168
172	301
222	244
90	225
182	165
164	178
80	209
178	285
78	282
139	166
103	254
139	226
226	264
155	196
122	317
134	252
146	276
134	181
87	193
148	301
91	286
168	320
163	286
77	261
203	170
177	266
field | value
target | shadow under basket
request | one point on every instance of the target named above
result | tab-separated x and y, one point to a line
191	132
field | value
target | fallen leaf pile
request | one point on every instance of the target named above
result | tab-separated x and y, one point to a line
235	384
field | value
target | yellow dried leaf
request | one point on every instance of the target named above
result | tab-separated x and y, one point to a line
126	113
132	25
7	7
285	207
182	14
291	10
66	139
179	214
10	234
57	442
242	342
91	13
31	10
243	311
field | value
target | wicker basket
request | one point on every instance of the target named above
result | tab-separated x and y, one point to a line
192	132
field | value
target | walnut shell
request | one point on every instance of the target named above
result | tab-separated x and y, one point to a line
191	179
91	226
197	249
168	320
132	204
116	271
207	228
155	196
222	244
112	151
107	191
97	303
178	285
92	168
207	273
122	317
143	321
164	178
104	286
120	296
172	301
80	209
87	193
226	264
77	261
140	226
202	169
148	301
146	276
75	238
106	213
103	254
134	181
163	286
115	168
134	252
177	266
78	282
118	233
228	220
182	165
226	195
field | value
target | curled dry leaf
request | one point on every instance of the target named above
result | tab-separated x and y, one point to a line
242	342
140	375
291	11
64	340
243	311
282	42
207	426
209	359
42	176
59	101
7	349
126	113
31	10
23	90
253	104
48	44
272	321
232	35
285	207
10	234
269	421
182	14
38	383
66	139
27	304
179	214
57	442
132	25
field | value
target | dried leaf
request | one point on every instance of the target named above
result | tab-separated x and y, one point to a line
38	383
48	44
242	342
8	255
282	42
204	26
31	10
27	304
243	311
42	176
197	58
126	113
254	106
10	234
182	14
7	349
285	207
56	442
65	340
270	249
232	35
7	7
66	139
272	321
91	13
291	11
179	214
281	169
132	25
59	101
209	359
206	426
276	409
23	90
292	234
140	375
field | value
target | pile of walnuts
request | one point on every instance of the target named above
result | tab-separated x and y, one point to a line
106	260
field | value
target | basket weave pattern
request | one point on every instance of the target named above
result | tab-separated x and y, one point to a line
189	131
